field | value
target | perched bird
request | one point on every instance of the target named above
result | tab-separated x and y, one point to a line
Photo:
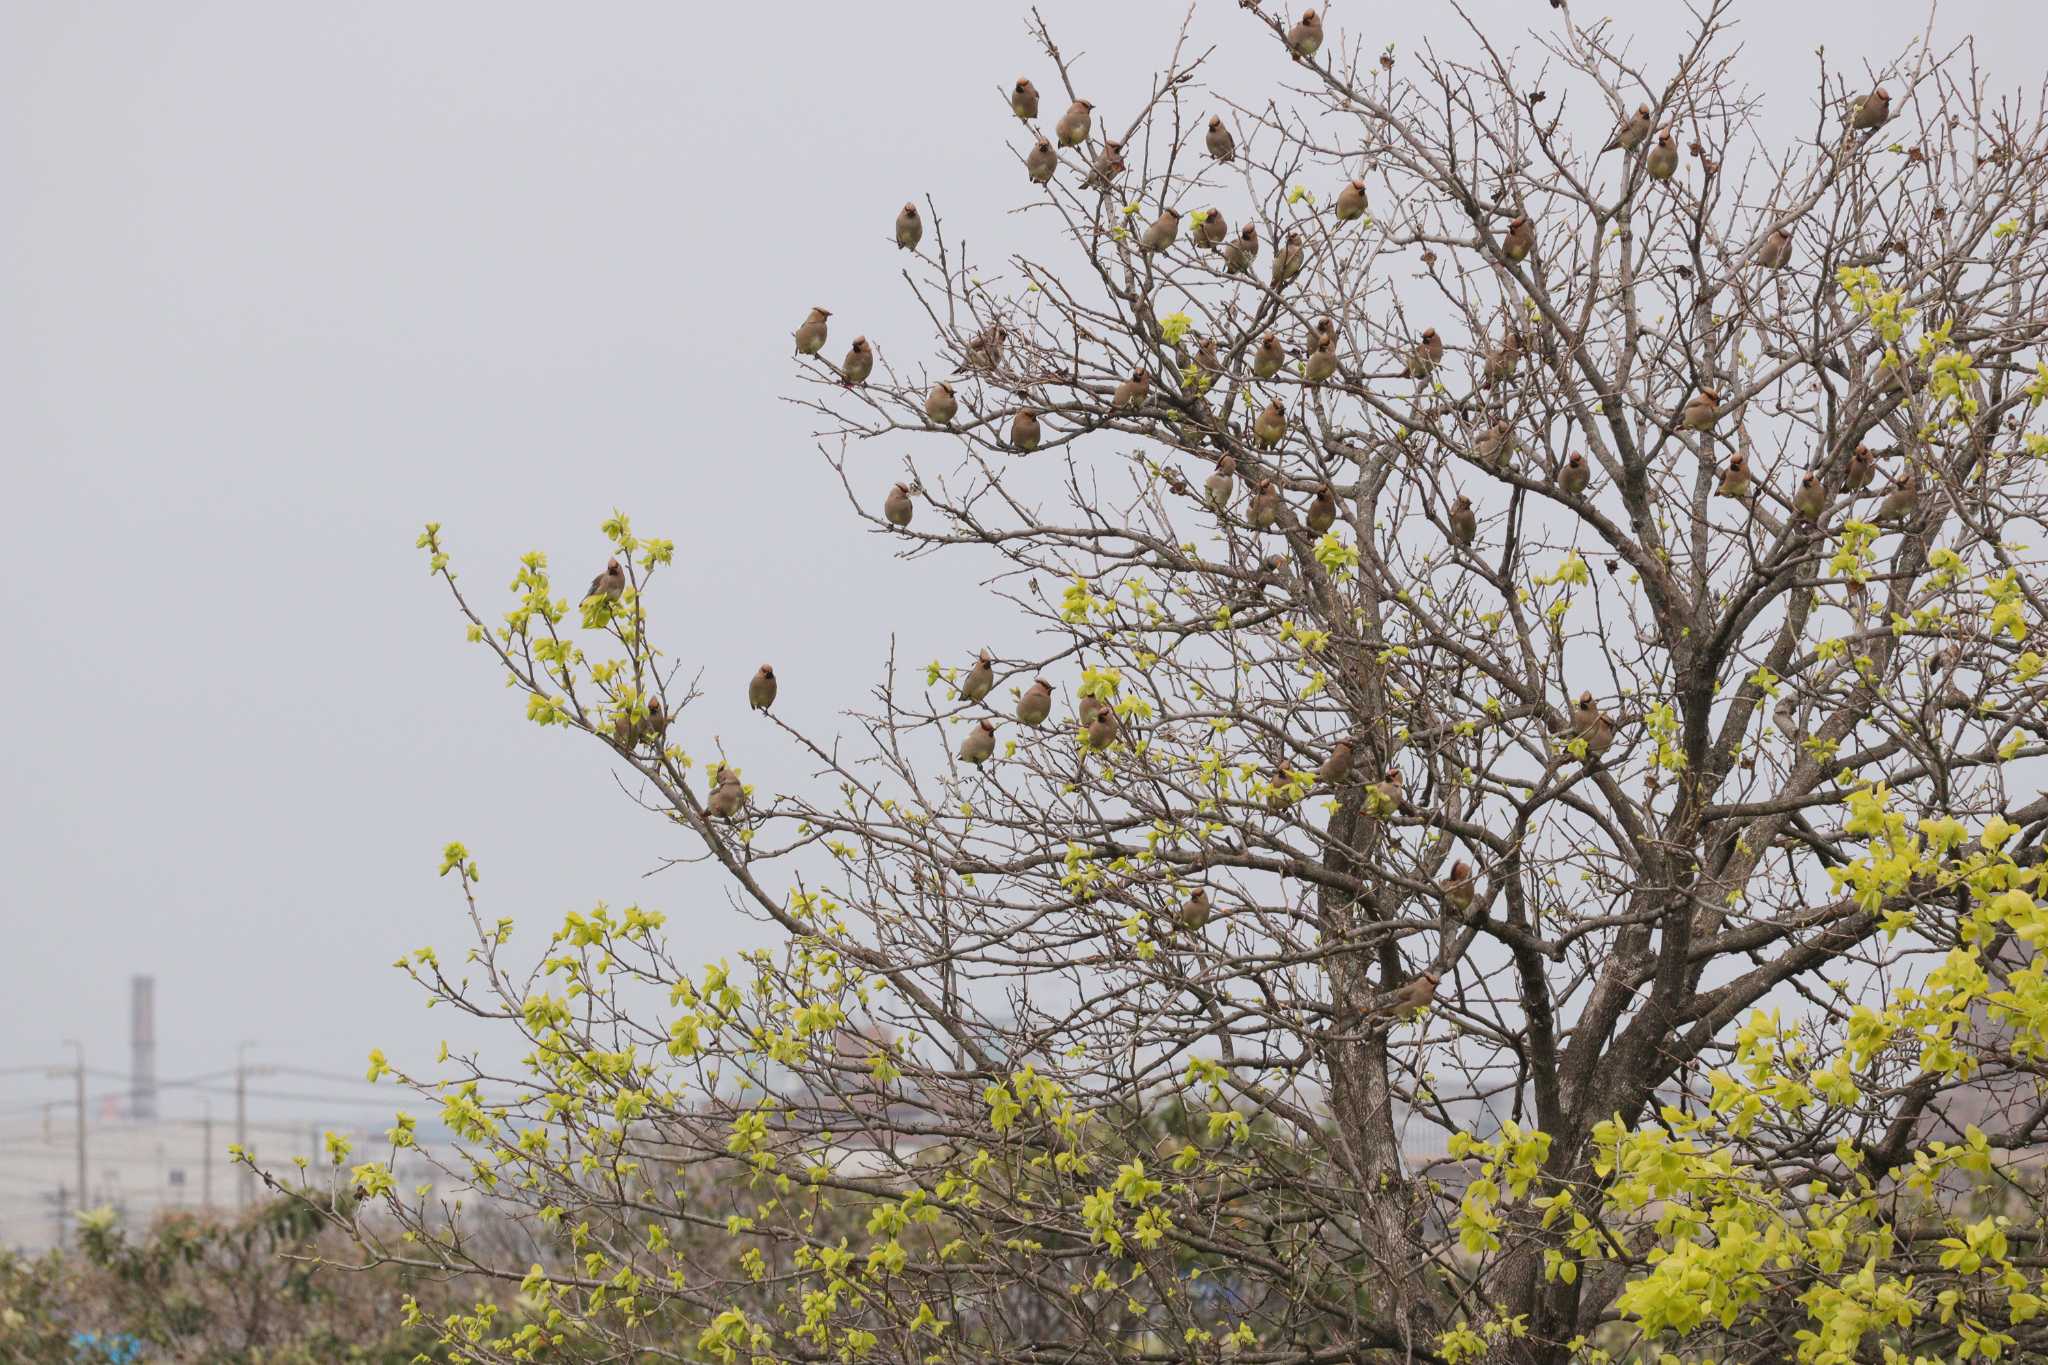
810	337
1271	427
1902	500
1322	359
1735	480
1132	393
1275	571
897	506
1288	260
1194	912
1305	37
1041	161
1601	738
1872	111
1264	512
1521	237
860	363
1810	499
1386	793
1322	511
761	691
979	680
611	582
1427	355
727	797
1036	703
1776	252
1662	162
985	351
1206	358
1351	202
1160	234
1091	706
940	406
1221	144
1211	231
1109	164
1337	766
1862	469
1701	410
1459	888
1502	360
1630	132
1495	444
657	722
1217	488
1574	476
632	732
1024	99
1948	661
1464	521
1102	728
1592	725
980	745
909	228
1024	430
1410	1000
1269	357
1279	789
1239	255
1074	124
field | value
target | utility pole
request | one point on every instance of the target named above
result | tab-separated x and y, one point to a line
245	1184
78	1075
206	1155
242	1124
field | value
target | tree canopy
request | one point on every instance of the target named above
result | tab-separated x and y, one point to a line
1525	847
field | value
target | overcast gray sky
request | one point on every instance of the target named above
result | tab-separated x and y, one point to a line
281	281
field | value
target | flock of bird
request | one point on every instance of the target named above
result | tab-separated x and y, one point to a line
1266	508
1494	444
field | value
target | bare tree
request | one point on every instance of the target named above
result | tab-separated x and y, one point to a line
1531	850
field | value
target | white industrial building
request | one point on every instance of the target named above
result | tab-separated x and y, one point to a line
140	1162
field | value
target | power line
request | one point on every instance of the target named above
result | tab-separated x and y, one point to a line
300	1096
90	1100
293	1096
223	1073
313	1075
199	1085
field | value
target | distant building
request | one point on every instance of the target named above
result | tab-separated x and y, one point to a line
141	1168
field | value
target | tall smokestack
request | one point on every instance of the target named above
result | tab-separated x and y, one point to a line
142	1045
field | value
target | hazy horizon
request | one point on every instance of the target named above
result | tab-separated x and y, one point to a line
282	283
